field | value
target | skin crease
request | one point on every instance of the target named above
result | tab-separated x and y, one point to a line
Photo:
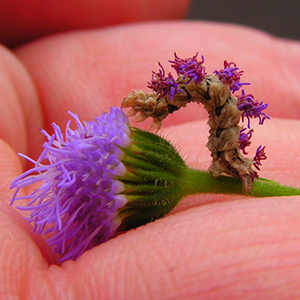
225	249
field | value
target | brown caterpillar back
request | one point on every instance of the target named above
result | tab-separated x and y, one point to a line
221	105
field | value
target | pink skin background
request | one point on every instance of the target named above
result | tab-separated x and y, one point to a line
211	246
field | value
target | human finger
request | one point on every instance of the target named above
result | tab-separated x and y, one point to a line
23	21
256	234
92	70
20	109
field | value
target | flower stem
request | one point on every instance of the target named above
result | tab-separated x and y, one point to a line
195	182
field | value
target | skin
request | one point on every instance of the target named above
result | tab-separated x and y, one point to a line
211	246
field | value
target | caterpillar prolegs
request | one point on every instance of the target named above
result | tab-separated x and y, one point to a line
227	139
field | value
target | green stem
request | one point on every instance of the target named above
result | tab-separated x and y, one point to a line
195	182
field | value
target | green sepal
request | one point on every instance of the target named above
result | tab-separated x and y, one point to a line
152	181
146	208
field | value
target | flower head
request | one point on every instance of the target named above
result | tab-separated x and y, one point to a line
97	180
189	67
244	139
231	76
79	194
164	85
259	156
252	108
167	86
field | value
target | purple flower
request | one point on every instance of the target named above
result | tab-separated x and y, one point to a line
244	139
165	86
97	180
252	108
78	197
189	67
259	156
231	76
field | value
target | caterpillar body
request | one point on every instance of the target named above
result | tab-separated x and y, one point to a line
224	117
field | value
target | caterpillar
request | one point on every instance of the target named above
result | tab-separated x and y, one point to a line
227	139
